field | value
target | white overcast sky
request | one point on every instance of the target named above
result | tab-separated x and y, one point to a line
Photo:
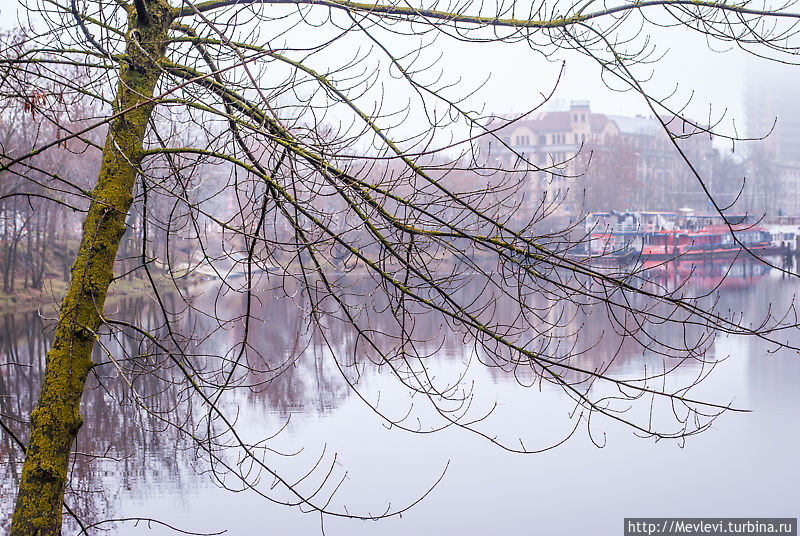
712	81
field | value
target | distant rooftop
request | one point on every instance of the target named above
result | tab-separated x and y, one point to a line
636	125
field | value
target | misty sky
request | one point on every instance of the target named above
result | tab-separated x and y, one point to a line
707	83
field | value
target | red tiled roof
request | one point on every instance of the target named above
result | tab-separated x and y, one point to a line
554	122
551	122
598	122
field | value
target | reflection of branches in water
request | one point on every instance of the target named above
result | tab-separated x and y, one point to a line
117	440
131	423
394	345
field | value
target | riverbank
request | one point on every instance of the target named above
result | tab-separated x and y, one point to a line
48	299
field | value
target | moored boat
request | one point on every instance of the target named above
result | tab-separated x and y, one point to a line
708	241
643	236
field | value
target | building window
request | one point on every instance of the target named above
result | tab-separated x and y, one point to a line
542	140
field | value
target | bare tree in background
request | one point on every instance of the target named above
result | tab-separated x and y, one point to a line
614	163
255	132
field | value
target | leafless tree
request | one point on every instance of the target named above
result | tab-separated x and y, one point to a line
258	133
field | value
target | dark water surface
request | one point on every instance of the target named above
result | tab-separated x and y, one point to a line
132	464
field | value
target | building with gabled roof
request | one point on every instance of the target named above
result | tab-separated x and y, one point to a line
588	161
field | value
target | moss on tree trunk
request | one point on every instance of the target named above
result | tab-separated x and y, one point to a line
56	419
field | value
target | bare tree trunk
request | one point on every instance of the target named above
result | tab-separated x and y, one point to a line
11	269
6	259
10	266
56	419
27	258
39	253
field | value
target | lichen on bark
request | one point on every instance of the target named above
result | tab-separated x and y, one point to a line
56	419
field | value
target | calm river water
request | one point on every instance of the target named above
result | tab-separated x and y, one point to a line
131	464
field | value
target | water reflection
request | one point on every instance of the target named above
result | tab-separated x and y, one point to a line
709	273
128	447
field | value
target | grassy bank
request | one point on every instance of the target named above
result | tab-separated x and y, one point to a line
48	299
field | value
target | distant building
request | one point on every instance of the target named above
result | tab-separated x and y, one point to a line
773	110
600	162
773	164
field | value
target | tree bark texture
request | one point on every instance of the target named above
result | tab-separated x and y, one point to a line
56	419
